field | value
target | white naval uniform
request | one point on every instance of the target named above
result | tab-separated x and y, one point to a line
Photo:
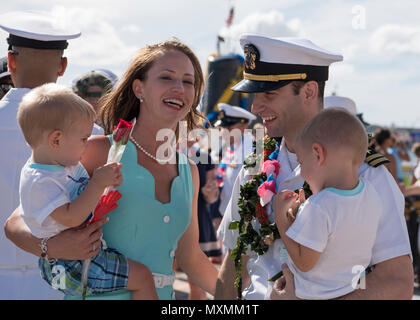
97	130
19	274
232	171
391	240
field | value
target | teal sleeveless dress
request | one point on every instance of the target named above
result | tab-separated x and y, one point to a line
142	228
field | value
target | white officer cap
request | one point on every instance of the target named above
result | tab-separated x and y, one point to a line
271	63
101	77
38	30
340	102
230	115
108	74
345	103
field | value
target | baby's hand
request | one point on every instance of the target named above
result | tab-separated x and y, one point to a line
282	202
295	206
108	175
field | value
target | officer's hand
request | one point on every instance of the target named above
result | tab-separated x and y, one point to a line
78	243
284	287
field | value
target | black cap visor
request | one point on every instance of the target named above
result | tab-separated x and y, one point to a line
360	117
17	41
251	86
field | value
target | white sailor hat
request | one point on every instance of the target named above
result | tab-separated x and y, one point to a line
345	103
108	74
340	102
103	78
271	63
38	30
230	115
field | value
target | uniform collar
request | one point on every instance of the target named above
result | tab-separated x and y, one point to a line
283	157
16	94
288	178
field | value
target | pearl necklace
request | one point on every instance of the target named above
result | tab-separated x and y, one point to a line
145	152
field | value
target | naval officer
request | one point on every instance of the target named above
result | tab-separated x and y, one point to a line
35	57
239	145
288	77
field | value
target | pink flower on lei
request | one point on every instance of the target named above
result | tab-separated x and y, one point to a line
267	189
271	167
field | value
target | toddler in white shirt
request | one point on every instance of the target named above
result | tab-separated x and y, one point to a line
331	239
56	192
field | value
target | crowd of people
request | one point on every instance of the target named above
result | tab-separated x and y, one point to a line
315	211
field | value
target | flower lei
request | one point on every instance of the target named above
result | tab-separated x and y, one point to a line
254	195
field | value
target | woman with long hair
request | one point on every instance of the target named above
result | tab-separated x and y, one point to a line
156	218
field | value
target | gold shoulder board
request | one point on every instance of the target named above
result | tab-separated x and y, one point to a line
375	159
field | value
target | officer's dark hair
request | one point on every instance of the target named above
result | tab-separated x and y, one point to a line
297	85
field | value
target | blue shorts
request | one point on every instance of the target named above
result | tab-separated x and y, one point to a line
108	271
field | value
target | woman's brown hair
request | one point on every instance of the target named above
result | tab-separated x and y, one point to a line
380	136
121	103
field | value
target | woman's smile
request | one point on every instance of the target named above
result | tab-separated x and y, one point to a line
174	103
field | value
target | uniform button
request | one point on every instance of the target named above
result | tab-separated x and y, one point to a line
166	219
172	253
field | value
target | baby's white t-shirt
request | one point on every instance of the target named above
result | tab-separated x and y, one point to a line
43	188
342	226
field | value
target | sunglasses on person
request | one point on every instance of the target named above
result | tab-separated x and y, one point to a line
93	94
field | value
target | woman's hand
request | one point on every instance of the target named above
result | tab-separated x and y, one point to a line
77	243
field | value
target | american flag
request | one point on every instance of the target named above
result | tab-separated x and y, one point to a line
230	18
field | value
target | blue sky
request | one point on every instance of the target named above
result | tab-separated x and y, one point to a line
380	40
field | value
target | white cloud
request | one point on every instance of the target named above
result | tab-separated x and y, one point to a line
341	70
350	52
90	50
374	72
270	23
131	28
394	39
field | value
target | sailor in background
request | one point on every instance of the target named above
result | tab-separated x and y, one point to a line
91	86
345	103
237	145
35	57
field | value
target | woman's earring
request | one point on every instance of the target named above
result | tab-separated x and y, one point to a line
141	99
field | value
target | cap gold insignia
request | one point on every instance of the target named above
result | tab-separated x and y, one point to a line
251	56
